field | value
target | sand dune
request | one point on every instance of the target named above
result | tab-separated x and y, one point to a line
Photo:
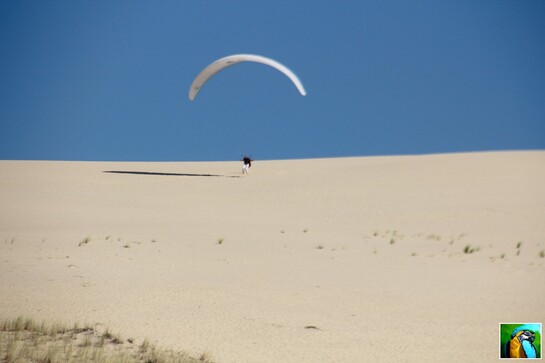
326	260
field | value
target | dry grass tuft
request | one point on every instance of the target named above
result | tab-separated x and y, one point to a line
519	245
84	241
469	250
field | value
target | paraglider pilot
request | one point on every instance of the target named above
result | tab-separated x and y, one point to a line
247	164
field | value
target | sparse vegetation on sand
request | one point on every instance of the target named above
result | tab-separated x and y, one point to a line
434	237
25	340
85	241
494	258
469	250
519	245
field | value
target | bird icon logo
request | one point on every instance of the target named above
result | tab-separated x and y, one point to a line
522	341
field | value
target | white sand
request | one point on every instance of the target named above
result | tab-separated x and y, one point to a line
367	250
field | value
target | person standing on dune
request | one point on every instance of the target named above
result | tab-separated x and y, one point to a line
247	164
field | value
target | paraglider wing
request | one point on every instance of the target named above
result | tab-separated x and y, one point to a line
228	61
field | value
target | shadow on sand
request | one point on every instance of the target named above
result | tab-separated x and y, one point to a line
166	174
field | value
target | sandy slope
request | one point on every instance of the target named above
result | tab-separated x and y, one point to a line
347	260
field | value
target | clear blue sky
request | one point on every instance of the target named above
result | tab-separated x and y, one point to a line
109	80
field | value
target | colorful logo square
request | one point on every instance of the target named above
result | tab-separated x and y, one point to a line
520	340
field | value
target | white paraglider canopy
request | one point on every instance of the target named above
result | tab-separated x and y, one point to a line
228	61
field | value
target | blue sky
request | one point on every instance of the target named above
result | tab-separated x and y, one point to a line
108	80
